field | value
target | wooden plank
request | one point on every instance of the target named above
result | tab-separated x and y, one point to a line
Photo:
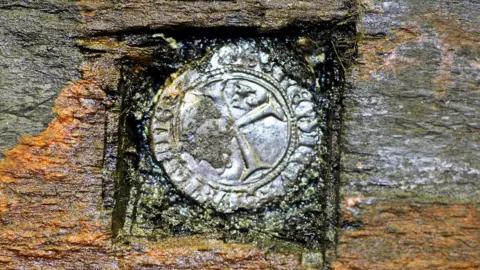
103	17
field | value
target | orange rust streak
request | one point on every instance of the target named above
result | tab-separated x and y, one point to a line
48	154
405	235
374	49
34	213
207	254
452	37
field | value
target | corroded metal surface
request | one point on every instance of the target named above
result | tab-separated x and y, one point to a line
235	133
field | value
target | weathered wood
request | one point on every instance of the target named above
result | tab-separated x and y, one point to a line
51	196
401	234
37	58
412	117
51	199
103	17
411	131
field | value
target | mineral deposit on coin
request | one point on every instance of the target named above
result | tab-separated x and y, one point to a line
236	132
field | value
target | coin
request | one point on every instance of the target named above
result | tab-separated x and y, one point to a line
234	133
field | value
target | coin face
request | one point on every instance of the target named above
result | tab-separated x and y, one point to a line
235	134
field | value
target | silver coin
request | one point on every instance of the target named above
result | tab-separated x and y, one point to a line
237	134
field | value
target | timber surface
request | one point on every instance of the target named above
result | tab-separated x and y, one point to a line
411	170
51	184
401	234
104	17
37	58
410	175
412	118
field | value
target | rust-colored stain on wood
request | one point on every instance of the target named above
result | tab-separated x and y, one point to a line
380	54
50	199
406	235
51	156
50	185
453	39
200	253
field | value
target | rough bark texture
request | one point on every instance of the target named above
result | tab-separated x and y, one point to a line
410	168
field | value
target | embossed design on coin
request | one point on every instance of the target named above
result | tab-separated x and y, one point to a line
236	134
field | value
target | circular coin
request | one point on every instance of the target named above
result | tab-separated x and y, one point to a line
235	135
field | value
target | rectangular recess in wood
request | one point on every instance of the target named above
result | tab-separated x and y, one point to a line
229	132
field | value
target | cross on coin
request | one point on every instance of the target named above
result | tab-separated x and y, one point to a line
264	107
